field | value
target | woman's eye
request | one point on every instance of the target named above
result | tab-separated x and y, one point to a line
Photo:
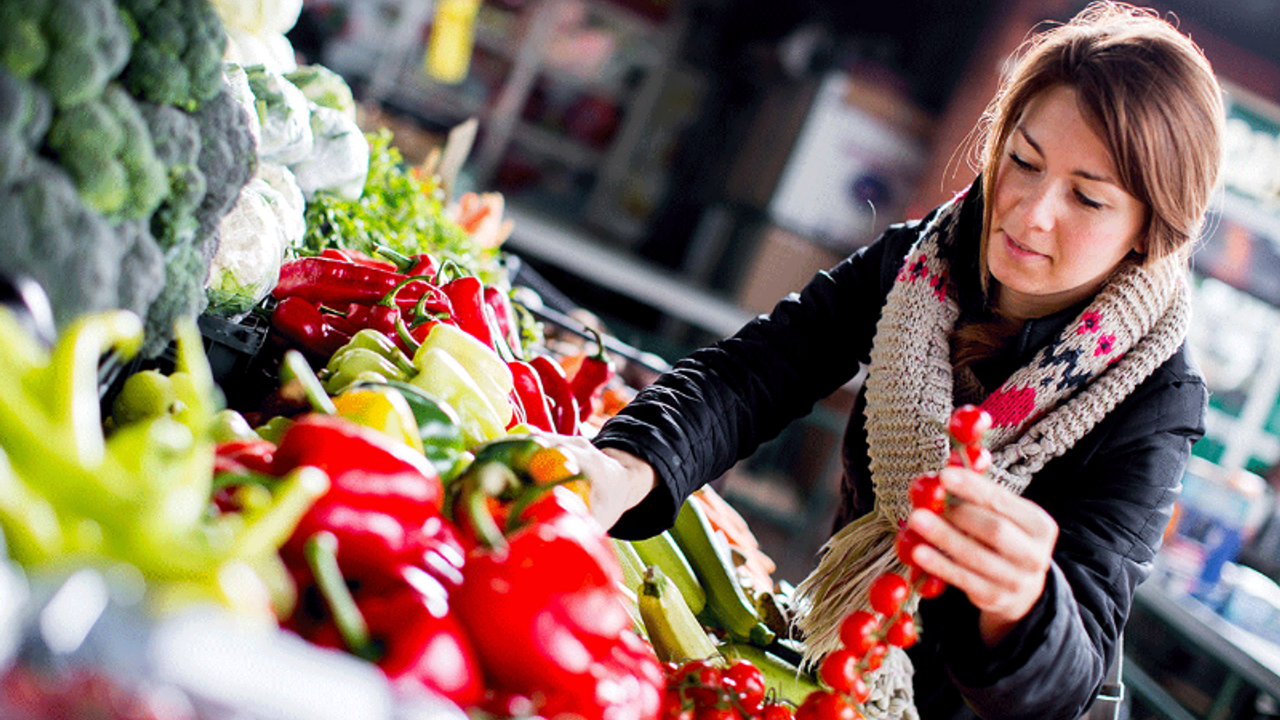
1088	201
1017	160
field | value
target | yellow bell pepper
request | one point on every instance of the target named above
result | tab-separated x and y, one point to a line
382	409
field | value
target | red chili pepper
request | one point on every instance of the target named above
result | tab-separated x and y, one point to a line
385	315
562	637
559	394
504	315
337	283
423	264
466	294
532	396
377	317
357	257
302	322
589	379
405	627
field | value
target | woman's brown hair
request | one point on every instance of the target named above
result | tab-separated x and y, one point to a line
1149	93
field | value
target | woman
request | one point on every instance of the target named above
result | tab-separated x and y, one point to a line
1053	293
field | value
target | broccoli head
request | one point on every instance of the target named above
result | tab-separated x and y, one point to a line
177	143
73	48
183	297
25	110
228	158
54	238
106	146
177	59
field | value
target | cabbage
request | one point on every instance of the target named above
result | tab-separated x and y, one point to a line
285	116
325	88
339	159
250	250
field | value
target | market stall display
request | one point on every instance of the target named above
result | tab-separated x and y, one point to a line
369	476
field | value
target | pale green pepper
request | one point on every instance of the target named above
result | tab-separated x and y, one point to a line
440	374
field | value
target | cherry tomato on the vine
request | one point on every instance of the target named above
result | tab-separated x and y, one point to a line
700	681
902	631
927	585
826	705
777	711
888	592
906	543
927	493
875	656
975	457
968	424
715	712
858	631
746	684
839	670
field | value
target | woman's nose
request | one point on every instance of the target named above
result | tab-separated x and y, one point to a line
1040	207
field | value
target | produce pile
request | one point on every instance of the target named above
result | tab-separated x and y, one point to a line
374	482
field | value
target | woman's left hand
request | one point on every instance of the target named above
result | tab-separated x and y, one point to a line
993	545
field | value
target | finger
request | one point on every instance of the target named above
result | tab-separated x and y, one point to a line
966	562
1001	535
984	592
972	487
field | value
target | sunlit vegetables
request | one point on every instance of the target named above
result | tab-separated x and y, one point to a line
69	493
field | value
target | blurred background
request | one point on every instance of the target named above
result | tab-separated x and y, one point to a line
674	167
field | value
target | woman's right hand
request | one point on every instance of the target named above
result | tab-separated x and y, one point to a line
619	480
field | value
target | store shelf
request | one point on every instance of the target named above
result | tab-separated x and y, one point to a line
569	248
1251	662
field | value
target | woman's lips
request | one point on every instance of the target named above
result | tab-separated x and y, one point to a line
1018	250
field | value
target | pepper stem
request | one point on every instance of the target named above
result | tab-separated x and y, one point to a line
389	300
295	367
402	331
449	264
322	556
600	353
482	482
404	262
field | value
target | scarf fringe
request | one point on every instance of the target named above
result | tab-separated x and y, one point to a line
839	583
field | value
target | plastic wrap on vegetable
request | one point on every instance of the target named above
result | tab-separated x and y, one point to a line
286	201
325	88
339	158
285	116
272	50
238	81
259	17
247	263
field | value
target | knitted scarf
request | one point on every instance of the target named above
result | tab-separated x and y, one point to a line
1135	323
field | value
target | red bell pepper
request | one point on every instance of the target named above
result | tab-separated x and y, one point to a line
366	469
376	548
559	394
406	628
562	637
588	381
301	322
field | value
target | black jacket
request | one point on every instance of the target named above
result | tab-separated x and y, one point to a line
1111	494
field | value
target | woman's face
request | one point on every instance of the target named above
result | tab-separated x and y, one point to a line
1060	220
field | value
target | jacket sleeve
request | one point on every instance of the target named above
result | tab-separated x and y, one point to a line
1112	497
720	403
